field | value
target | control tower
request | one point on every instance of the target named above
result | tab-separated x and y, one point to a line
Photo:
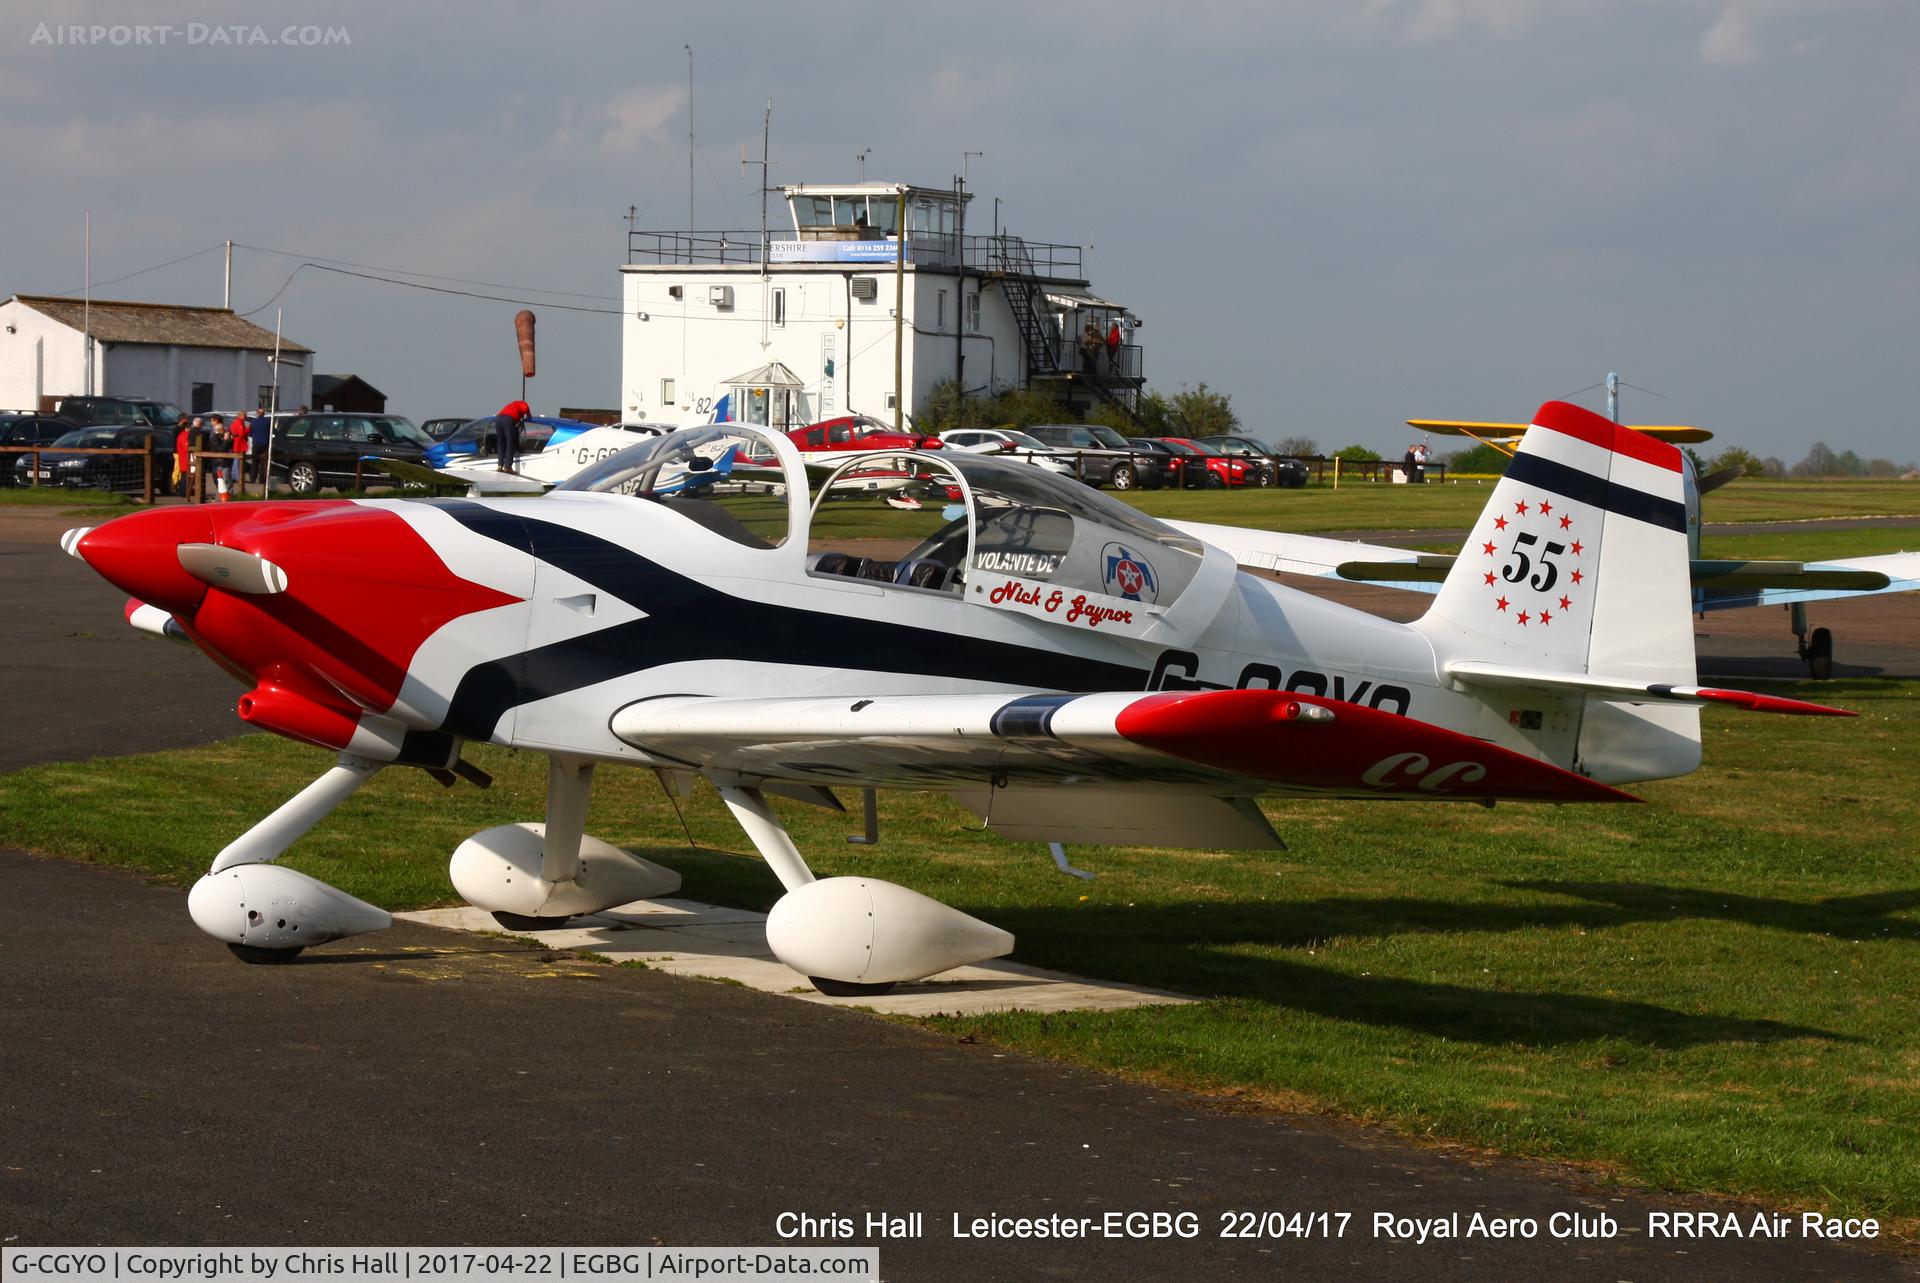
812	320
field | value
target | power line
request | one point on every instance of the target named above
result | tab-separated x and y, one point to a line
142	272
318	259
436	289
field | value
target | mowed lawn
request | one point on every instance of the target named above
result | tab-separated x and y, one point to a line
1714	991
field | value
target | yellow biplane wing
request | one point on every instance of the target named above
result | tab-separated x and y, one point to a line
1494	433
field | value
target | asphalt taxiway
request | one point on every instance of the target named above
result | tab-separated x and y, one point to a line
425	1087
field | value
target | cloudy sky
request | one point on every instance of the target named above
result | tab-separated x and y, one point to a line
1340	213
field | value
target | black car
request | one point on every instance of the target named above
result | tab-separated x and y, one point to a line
123	472
314	450
1174	458
1103	455
88	411
1286	470
26	430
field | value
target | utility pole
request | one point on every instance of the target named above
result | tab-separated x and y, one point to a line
899	306
766	136
689	49
86	305
960	282
765	162
226	291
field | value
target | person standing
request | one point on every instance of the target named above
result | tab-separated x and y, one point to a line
1089	347
258	426
182	452
1113	346
240	441
506	429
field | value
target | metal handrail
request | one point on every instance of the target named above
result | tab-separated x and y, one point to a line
1004	253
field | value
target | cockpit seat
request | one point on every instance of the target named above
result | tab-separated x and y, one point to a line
923	572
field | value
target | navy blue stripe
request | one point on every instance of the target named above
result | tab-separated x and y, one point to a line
1584	487
1029	717
689	621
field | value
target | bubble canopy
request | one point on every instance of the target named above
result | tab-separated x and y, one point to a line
1006	520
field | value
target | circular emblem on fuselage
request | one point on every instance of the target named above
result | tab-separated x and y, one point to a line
1125	573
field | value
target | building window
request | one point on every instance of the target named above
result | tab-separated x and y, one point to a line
973	312
202	398
666	392
940	310
265	398
780	307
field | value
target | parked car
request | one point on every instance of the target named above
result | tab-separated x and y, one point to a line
1287	470
855	432
1222	470
1104	457
477	438
127	473
312	450
22	429
441	429
1009	444
87	411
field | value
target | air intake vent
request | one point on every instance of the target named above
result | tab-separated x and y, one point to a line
866	288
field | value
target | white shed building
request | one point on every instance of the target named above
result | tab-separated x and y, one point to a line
199	358
838	300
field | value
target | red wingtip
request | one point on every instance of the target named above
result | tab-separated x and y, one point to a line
1756	703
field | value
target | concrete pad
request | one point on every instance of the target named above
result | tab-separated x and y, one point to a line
687	938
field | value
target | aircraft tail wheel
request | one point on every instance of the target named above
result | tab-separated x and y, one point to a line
261	956
848	988
1820	654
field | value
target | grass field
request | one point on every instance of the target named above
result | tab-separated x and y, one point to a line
1711	992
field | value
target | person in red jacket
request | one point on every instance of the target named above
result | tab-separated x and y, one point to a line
506	426
182	445
1113	347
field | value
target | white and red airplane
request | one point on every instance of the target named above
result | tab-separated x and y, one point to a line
1069	668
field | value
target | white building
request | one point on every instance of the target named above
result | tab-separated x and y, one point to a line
832	313
199	358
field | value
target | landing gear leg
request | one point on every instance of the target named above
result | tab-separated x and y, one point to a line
1816	647
267	914
569	783
855	936
533	877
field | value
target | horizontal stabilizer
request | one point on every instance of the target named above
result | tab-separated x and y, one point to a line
1625	689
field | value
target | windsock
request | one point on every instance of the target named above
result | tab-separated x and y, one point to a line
523	330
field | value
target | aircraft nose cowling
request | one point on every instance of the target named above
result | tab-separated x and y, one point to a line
139	554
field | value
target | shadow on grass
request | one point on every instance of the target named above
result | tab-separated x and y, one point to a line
1851	917
1206	953
1208	950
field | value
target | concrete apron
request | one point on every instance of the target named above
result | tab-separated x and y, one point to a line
686	938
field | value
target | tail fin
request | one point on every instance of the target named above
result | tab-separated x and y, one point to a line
1579	564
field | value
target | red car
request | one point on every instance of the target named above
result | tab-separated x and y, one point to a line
1222	470
856	432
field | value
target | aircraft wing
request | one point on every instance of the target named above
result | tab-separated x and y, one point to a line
477	478
1726	585
1168	768
1721	585
1324	558
1479	430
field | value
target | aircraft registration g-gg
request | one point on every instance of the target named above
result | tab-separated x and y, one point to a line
1070	669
